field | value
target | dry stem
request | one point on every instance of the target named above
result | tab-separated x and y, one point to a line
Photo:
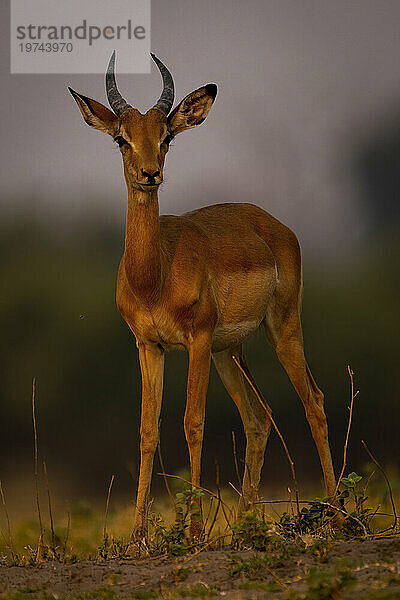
10	540
346	514
218	501
53	537
40	542
267	408
353	396
163	470
67	536
235	459
199	487
382	470
107	505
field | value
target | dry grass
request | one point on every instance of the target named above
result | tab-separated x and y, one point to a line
287	548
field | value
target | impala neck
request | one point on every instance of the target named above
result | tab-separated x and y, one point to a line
142	245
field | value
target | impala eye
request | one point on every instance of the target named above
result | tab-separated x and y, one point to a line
120	140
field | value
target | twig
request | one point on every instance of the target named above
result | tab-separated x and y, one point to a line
6	542
353	396
53	537
11	544
313	502
222	504
35	435
370	476
203	533
382	514
375	513
346	514
107	505
277	578
199	487
235	459
380	533
67	535
235	488
214	519
268	410
290	501
382	470
379	536
160	458
218	501
282	501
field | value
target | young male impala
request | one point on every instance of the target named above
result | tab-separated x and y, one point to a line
203	281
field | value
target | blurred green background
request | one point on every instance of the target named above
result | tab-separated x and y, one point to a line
308	108
59	323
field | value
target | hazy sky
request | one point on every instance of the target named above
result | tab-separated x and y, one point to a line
299	82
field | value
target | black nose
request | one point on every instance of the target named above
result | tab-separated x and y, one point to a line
150	176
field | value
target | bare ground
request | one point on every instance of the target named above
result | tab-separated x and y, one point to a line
373	565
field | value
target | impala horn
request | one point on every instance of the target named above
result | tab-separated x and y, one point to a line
166	100
116	101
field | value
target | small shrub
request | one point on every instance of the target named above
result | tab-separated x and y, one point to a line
328	583
252	532
321	549
174	539
251	567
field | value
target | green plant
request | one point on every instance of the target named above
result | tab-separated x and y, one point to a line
252	532
310	519
174	539
327	584
251	567
321	549
361	516
112	548
321	512
277	551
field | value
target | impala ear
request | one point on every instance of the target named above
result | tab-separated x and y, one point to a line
193	109
95	114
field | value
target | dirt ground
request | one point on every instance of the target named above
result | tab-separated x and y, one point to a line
374	568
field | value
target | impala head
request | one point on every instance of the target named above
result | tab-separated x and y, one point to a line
144	138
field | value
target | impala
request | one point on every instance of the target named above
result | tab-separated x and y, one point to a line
203	281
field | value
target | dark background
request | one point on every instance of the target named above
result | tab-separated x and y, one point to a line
308	105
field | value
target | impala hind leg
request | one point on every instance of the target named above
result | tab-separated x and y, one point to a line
256	421
287	338
152	369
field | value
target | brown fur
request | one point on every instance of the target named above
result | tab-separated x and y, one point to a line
204	282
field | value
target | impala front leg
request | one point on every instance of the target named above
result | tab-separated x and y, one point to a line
199	372
152	368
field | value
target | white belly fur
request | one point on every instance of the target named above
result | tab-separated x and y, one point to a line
230	334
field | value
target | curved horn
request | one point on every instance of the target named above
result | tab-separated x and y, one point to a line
116	101
166	100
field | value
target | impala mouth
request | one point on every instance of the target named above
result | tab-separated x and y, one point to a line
148	186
